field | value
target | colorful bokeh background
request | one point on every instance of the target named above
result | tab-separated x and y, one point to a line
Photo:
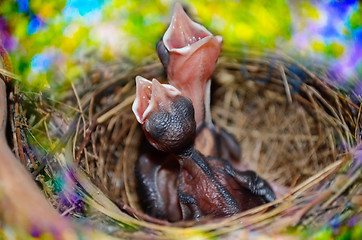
50	41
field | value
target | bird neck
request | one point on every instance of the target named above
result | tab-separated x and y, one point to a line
191	159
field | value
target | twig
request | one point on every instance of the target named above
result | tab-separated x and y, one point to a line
125	103
6	68
342	184
9	74
286	85
125	167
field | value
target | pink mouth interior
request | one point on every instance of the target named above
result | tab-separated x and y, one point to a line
151	96
143	97
183	31
185	37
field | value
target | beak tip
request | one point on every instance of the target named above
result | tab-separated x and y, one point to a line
140	80
135	110
154	81
178	9
150	96
140	104
179	15
158	91
219	39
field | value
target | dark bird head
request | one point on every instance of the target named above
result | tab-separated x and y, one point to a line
167	117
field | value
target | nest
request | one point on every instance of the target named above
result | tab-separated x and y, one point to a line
294	129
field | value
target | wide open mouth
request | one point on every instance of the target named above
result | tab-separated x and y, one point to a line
183	32
150	96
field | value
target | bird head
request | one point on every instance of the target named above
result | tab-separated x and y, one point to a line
167	117
189	53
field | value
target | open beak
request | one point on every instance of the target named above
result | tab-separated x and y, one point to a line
152	96
189	53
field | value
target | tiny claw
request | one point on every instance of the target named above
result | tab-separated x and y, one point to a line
260	187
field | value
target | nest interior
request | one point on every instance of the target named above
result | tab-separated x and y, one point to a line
288	123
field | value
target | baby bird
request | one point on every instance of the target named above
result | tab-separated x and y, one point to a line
189	52
206	186
156	171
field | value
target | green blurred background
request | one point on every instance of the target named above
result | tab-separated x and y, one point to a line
53	42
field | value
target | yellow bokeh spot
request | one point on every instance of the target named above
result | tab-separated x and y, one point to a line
73	72
21	24
309	10
266	23
206	13
244	31
46	236
318	46
190	234
47	10
336	49
68	45
35	5
107	54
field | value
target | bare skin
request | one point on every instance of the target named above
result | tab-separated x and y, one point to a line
189	52
155	173
214	187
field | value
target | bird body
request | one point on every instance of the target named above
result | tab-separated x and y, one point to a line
205	185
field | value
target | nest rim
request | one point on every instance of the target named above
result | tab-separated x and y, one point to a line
137	216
